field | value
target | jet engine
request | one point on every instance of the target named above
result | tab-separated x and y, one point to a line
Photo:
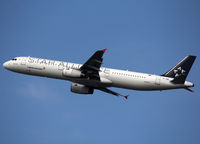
72	73
81	89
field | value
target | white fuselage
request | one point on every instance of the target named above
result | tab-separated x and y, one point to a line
108	77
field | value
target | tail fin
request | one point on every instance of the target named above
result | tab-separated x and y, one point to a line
180	71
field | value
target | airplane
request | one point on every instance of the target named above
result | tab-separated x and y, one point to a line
91	76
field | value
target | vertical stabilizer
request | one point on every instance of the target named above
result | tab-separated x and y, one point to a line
180	71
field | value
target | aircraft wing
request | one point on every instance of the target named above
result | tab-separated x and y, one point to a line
112	92
92	66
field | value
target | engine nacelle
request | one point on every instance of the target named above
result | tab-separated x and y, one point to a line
81	89
72	73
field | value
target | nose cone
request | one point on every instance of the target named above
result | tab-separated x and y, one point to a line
5	65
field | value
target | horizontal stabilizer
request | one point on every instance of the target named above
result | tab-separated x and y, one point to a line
188	89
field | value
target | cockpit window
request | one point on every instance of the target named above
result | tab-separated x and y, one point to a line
14	59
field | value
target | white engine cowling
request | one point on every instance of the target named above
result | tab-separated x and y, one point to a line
71	73
81	89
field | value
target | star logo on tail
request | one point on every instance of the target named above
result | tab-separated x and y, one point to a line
179	71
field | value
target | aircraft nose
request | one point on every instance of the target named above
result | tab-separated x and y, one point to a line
5	65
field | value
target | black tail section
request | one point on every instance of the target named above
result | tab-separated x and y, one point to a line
180	71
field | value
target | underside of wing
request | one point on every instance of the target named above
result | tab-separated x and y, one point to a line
112	92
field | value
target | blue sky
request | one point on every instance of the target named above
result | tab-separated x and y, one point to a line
143	35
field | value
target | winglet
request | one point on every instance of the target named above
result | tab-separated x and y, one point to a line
104	50
126	97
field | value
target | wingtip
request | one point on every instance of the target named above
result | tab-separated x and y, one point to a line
126	97
104	50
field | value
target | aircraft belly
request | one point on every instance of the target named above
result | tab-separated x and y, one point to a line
91	83
141	84
130	83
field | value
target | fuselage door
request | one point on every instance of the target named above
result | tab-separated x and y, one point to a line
107	72
157	82
23	61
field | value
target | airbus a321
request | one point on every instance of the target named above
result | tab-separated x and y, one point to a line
91	76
